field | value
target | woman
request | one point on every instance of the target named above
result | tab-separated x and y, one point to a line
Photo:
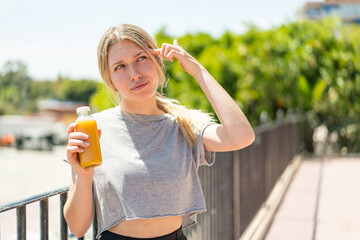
148	184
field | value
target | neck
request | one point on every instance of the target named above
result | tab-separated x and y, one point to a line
141	108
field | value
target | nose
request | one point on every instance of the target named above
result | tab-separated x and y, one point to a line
134	74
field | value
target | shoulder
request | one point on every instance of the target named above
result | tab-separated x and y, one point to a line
107	118
105	114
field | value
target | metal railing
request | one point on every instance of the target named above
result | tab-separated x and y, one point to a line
234	188
239	182
43	200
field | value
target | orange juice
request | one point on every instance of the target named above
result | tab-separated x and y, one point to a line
86	124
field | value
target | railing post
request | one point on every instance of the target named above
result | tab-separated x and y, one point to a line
236	192
63	224
21	222
44	219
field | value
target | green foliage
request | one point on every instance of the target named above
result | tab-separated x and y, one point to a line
310	68
42	90
102	99
75	90
14	88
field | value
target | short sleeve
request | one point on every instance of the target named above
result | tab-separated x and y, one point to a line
202	156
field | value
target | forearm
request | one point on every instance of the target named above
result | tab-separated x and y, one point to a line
235	131
79	209
232	118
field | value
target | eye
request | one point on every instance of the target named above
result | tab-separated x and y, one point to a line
141	58
119	67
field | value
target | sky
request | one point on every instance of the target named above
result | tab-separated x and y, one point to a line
53	37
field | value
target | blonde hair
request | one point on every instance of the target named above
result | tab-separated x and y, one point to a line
190	121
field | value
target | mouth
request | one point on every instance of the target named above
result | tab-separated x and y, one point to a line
139	86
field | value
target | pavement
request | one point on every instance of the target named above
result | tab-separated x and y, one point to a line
321	203
27	173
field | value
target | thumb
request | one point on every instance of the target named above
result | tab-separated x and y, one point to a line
176	42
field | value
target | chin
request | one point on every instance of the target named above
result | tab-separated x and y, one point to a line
144	96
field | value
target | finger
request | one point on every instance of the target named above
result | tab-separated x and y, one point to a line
78	135
155	51
71	127
176	42
168	48
74	149
165	48
171	55
162	49
79	143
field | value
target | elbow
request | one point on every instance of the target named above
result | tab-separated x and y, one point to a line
76	229
244	140
251	137
78	234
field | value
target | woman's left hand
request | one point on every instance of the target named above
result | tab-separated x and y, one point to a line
171	51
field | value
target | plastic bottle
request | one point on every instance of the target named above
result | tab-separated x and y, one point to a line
86	124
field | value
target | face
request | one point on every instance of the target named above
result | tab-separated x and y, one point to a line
132	73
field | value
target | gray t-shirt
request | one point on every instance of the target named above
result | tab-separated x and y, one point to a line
148	170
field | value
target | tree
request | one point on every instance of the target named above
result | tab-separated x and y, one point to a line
76	90
14	88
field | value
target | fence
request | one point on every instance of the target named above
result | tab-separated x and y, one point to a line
235	187
239	182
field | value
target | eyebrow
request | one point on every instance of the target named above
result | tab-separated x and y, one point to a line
120	61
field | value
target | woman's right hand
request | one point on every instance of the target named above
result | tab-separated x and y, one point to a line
77	142
79	206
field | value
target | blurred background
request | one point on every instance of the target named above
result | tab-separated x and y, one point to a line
276	58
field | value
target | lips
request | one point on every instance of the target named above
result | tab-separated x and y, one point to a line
140	86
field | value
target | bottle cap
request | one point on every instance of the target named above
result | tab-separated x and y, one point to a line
83	109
